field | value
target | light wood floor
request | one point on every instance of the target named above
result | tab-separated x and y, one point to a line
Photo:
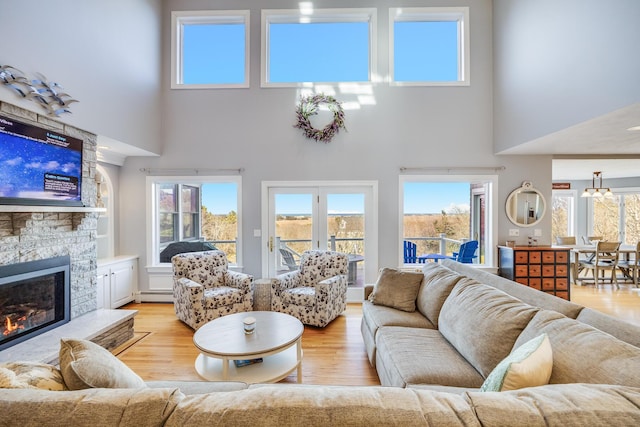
333	355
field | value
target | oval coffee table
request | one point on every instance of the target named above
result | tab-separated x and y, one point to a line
277	339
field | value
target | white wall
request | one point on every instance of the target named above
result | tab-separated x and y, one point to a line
253	129
113	67
561	62
106	54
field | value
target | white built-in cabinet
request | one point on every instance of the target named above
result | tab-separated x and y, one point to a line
117	281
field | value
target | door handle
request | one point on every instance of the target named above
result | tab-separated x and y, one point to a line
271	244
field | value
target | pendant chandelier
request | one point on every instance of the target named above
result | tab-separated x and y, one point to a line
598	191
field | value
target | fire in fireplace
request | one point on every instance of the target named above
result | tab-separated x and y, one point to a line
34	298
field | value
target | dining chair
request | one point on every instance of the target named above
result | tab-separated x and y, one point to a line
606	258
591	240
566	240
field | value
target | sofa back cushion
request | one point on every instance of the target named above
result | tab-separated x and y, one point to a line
483	323
312	405
583	354
559	405
620	329
139	407
436	287
523	293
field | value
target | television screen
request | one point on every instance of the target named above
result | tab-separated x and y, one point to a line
38	166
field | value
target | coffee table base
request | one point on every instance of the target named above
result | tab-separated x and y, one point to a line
272	369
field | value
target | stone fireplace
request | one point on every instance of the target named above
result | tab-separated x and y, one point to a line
35	233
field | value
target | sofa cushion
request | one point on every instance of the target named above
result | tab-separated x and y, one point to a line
304	405
436	287
397	289
483	323
527	366
198	387
559	405
620	329
87	365
421	356
142	407
31	375
523	293
583	354
376	316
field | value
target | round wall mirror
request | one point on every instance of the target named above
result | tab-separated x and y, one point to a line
525	205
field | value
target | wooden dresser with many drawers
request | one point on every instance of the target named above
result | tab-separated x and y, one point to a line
544	268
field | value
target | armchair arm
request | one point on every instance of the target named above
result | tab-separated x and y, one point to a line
235	279
188	299
331	289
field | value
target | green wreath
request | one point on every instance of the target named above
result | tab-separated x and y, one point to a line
308	107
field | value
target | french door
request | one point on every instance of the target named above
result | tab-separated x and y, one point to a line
303	216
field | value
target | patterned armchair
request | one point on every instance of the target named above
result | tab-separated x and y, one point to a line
204	288
317	292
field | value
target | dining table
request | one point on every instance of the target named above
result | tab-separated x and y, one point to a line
588	252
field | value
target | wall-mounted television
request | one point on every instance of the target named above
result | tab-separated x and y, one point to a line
38	166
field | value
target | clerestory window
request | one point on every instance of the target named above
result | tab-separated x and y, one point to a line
429	46
210	49
327	45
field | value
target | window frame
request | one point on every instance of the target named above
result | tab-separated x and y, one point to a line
153	245
438	14
280	16
181	18
491	210
572	214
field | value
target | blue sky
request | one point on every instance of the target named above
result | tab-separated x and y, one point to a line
320	52
419	198
220	199
435	197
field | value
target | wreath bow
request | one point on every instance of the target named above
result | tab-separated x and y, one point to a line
308	107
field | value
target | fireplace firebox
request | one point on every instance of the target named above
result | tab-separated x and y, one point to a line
34	298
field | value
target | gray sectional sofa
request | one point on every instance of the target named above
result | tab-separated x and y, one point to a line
464	322
467	320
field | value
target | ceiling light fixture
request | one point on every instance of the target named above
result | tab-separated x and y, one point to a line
599	191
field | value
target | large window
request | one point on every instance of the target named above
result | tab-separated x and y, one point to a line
327	45
617	218
188	212
563	214
210	49
429	46
439	213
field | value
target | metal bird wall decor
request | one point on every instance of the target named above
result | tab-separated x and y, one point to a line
46	93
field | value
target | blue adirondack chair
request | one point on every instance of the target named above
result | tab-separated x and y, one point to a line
410	255
467	252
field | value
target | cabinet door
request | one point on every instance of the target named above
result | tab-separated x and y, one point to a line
103	296
122	283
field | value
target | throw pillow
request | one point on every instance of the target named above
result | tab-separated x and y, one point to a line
527	366
85	364
31	375
397	289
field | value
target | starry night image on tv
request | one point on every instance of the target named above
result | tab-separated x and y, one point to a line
38	166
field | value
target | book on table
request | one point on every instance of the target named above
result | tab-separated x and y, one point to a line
246	362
